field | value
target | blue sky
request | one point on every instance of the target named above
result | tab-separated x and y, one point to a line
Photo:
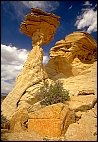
74	16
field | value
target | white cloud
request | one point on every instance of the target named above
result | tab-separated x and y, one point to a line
5	86
21	8
87	3
87	21
70	7
12	60
44	5
45	59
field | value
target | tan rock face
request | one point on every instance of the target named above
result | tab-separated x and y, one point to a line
73	62
51	120
84	130
58	65
31	74
76	102
45	127
85	126
40	26
79	44
18	120
86	80
78	48
23	136
52	111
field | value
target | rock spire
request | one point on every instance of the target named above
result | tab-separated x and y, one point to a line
40	26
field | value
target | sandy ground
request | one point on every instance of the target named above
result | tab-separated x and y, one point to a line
24	136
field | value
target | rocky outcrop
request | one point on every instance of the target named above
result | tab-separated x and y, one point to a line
55	121
85	109
85	129
32	73
51	121
40	26
80	45
73	62
77	44
18	121
82	103
85	80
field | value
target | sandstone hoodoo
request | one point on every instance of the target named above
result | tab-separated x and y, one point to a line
56	101
42	22
41	27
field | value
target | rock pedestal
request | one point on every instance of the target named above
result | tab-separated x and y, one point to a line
40	26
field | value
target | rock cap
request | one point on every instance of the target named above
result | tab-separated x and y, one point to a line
38	20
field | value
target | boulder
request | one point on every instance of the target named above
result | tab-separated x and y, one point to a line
18	121
72	55
84	130
31	96
51	121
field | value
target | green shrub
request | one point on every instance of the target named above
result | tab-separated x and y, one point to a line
54	93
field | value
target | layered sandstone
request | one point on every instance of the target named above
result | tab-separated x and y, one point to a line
77	48
77	44
45	23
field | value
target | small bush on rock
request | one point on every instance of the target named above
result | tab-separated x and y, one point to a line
54	93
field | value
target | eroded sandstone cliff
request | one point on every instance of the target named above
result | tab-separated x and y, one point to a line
73	62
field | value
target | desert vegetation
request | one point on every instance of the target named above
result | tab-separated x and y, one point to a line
54	93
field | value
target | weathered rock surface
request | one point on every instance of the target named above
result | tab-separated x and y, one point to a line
31	74
41	26
78	48
87	80
86	92
51	121
18	121
82	102
73	62
77	44
31	95
84	130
